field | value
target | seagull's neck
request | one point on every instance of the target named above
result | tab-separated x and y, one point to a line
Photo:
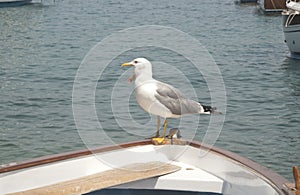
142	77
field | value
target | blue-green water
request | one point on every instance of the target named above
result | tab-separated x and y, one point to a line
42	46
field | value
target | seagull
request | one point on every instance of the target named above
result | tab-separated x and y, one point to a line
161	99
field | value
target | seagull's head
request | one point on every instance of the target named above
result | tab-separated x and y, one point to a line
142	66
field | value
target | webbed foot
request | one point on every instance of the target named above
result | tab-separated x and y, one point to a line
158	140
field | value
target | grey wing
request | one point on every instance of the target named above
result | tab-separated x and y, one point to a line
175	101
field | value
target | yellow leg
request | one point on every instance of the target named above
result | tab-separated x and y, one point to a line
158	126
165	128
160	140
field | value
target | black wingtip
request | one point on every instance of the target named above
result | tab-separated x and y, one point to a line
209	109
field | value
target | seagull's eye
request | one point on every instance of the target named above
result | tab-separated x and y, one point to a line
135	61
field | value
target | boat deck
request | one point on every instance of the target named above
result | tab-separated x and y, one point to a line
195	168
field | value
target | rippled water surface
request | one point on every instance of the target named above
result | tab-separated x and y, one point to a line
42	46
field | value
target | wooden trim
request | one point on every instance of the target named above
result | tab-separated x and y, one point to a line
274	4
272	177
65	156
296	174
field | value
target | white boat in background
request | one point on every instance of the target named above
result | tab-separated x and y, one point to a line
13	3
291	26
143	168
294	5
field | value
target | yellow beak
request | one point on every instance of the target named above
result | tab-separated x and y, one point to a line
127	64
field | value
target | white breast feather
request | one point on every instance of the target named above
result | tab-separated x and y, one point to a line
145	96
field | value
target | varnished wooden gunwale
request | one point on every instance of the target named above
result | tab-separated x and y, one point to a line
66	156
296	174
274	179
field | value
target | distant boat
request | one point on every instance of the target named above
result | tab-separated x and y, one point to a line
247	1
291	26
140	167
13	3
268	6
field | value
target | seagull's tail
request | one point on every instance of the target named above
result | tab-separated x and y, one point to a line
210	110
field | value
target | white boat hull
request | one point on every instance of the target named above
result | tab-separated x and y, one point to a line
291	30
201	169
292	38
